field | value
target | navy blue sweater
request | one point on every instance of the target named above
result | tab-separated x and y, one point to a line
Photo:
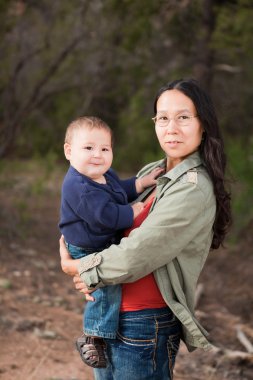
92	213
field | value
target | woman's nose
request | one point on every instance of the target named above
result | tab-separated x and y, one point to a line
172	126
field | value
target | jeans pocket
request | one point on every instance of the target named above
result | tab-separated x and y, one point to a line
137	348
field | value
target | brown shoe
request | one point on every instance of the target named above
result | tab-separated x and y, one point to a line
92	351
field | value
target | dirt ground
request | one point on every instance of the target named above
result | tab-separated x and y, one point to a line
41	313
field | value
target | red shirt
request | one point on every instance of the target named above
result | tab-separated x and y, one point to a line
143	293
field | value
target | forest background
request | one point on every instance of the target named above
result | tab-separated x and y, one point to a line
62	59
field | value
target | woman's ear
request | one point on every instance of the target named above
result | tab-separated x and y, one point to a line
67	151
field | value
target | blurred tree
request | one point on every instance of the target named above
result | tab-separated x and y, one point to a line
108	58
233	41
51	54
63	59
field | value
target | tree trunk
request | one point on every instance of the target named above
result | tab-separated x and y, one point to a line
203	68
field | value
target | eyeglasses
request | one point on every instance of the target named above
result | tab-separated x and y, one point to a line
182	119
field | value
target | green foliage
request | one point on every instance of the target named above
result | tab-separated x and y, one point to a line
182	22
25	187
3	5
234	31
5	283
138	17
48	138
137	143
62	60
21	206
7	15
232	42
240	166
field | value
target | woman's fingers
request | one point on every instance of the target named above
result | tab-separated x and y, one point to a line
88	297
77	280
69	266
82	287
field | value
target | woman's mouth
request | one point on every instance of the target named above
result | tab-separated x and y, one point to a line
173	143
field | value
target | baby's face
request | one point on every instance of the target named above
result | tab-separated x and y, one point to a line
90	152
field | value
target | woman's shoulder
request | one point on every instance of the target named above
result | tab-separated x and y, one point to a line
149	167
204	180
199	180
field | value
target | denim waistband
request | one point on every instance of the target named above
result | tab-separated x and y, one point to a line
146	313
87	250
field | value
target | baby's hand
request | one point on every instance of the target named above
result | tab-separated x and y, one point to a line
137	208
148	180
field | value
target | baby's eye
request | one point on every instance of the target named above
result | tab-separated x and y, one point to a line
105	150
87	147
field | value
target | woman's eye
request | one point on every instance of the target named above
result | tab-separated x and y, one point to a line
183	117
162	118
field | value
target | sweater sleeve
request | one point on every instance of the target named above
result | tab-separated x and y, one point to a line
127	184
130	188
101	213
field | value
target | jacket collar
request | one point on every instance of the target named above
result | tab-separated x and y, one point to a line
192	161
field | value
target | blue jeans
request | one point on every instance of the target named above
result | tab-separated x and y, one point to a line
101	317
145	348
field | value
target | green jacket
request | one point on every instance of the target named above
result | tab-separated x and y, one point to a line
173	242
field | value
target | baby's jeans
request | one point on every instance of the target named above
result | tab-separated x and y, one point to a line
101	317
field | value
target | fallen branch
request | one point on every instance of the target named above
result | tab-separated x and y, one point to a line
244	340
228	68
233	354
248	330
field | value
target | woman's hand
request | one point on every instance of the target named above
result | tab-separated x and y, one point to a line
68	265
82	287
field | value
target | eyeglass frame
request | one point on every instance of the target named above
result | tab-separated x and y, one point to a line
173	118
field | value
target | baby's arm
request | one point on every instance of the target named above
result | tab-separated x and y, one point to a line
102	213
148	180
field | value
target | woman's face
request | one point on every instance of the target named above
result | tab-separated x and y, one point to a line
178	129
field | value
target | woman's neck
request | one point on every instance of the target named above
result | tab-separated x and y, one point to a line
172	162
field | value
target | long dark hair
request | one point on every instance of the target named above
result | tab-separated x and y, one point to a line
211	150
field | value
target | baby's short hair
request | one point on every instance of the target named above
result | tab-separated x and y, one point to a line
89	122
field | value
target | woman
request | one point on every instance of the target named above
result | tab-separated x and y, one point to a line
159	263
